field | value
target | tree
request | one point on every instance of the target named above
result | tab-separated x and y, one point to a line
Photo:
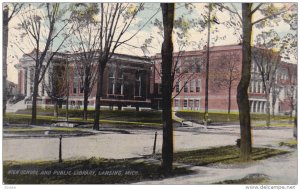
168	11
267	61
225	73
85	41
115	21
42	25
55	85
14	8
270	13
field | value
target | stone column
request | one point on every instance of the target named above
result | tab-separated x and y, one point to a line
28	81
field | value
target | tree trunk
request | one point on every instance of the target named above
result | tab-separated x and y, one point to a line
207	66
242	89
268	110
98	96
4	57
86	94
56	110
34	97
167	83
229	102
85	104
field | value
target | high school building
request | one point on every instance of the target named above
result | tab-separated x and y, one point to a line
135	82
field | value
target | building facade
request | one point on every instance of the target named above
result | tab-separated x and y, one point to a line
135	82
125	83
224	74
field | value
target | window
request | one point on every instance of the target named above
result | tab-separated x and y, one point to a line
197	103
177	87
176	103
185	103
111	80
119	83
81	87
185	88
138	84
192	86
258	87
75	85
191	104
198	85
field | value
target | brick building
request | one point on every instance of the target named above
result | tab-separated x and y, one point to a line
132	81
225	62
125	83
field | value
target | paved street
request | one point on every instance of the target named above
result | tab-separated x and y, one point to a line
137	143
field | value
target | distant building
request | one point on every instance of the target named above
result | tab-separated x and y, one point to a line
12	89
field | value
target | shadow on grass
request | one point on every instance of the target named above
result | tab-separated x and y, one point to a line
249	179
224	155
91	171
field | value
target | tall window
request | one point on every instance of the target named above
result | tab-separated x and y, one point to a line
185	103
138	88
191	104
119	83
176	103
198	85
111	80
185	89
192	86
177	86
197	103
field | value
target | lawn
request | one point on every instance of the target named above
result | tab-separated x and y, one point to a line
223	154
128	117
218	117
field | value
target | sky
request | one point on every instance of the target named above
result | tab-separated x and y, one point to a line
220	34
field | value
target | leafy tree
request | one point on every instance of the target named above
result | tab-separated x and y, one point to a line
9	11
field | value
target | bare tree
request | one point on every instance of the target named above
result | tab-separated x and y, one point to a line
55	85
9	11
267	62
45	28
114	23
85	44
270	14
226	72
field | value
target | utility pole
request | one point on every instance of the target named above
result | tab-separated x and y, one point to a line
67	103
207	67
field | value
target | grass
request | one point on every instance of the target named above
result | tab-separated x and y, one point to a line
224	155
117	115
53	131
124	171
91	171
249	179
291	143
221	117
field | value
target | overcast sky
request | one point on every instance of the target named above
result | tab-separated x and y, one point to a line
199	38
